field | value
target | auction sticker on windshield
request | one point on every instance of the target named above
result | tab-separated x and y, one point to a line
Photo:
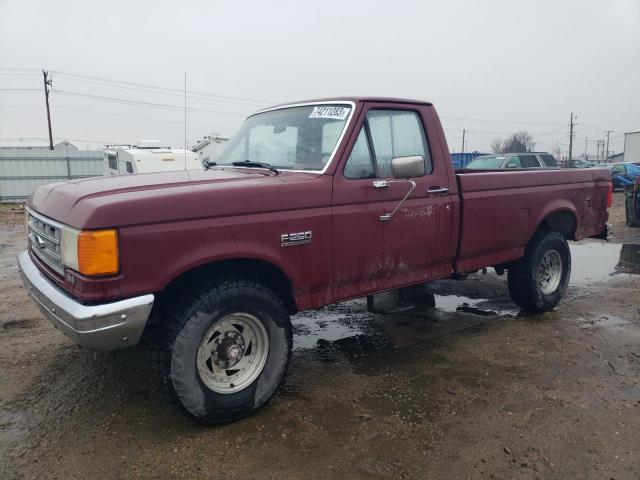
329	111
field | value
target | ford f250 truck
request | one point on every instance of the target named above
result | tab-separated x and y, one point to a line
310	204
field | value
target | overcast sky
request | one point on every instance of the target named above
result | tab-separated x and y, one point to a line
491	67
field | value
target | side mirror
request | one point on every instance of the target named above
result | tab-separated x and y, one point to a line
408	167
511	165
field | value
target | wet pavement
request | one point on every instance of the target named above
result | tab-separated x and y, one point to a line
470	388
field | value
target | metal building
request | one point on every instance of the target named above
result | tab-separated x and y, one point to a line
23	169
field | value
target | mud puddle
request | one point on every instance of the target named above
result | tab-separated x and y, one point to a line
329	324
599	262
477	306
594	321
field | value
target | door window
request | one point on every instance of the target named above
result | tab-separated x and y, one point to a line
113	162
549	161
529	161
393	133
397	133
618	170
360	163
129	167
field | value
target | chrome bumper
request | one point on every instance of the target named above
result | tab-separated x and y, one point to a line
100	327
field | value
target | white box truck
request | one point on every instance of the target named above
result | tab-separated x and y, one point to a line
632	147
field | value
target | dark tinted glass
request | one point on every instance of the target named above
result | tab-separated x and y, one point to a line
529	161
113	162
549	161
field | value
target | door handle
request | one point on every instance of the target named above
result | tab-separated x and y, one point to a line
385	183
441	190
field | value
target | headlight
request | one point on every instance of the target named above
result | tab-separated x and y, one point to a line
90	252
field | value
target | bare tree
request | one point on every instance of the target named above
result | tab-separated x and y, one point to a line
518	142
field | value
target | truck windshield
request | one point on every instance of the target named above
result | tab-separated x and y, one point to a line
487	163
290	138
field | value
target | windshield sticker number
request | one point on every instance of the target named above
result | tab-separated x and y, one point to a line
335	113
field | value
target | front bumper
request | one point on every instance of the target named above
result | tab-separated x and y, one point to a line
105	326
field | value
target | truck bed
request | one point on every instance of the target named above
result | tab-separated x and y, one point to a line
500	210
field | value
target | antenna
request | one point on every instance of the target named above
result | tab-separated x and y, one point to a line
185	120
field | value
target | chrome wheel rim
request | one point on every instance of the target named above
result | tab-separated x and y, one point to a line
550	272
232	353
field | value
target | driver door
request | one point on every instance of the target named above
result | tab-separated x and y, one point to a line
372	253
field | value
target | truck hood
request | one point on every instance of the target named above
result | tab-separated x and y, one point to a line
126	200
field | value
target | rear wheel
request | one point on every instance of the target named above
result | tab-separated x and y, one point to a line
538	280
227	350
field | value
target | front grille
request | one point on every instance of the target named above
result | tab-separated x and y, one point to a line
44	240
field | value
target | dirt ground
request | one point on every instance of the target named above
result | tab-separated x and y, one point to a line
469	389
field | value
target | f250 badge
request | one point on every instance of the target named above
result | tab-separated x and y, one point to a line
292	239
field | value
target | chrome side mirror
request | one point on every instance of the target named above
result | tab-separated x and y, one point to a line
408	167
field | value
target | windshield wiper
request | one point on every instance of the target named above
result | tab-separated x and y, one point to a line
250	163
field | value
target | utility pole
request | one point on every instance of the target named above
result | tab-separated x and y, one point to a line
571	141
586	140
600	149
47	84
608	132
463	133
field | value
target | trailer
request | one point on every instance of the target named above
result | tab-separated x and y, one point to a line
147	156
210	147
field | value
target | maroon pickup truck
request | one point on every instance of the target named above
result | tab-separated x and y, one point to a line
310	204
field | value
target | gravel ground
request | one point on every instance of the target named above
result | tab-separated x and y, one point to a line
470	389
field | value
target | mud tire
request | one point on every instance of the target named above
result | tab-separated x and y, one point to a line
185	329
524	288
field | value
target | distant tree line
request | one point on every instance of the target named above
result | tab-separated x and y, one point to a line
518	142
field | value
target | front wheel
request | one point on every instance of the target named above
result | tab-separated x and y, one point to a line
227	350
538	280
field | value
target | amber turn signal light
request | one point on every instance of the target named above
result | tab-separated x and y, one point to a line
98	252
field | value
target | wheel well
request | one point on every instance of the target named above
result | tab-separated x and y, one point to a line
563	222
258	271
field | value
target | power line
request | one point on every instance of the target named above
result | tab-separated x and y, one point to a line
134	117
61	139
165	89
19	89
111	114
200	96
18	74
143	104
497	121
13	69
